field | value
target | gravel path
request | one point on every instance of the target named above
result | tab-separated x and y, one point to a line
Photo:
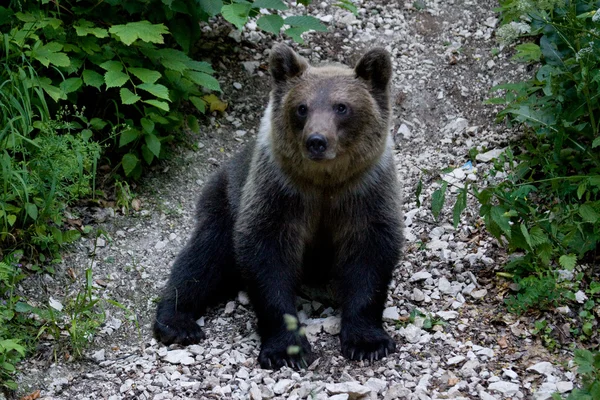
458	343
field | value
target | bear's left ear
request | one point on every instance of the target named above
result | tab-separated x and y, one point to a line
284	63
375	67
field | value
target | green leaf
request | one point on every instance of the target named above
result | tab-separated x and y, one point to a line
32	210
584	360
270	23
237	14
70	85
145	75
198	103
87	28
581	189
202	79
142	30
296	34
526	236
128	136
22	307
115	79
498	215
537	236
153	144
147	154
347	5
50	54
588	214
201	66
528	52
92	78
568	261
155	89
418	192
211	7
71	235
459	206
128	97
129	162
306	22
270	4
596	142
55	93
438	199
158	104
11	219
112	65
147	124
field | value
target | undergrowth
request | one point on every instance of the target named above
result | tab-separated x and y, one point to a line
546	205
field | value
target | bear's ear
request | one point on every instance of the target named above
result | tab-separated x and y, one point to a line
284	63
375	67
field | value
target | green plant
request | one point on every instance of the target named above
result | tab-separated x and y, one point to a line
588	368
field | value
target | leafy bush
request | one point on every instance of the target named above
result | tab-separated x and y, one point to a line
588	364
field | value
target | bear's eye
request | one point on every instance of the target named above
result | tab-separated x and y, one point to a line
340	109
302	110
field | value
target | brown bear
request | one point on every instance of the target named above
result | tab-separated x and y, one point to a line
314	199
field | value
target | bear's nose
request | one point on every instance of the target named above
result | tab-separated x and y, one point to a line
316	144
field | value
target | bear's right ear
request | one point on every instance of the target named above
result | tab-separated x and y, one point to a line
375	67
284	63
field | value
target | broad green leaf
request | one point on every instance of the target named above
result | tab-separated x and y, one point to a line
85	28
537	236
306	22
70	85
498	215
11	219
201	66
158	104
568	261
588	214
145	75
581	189
112	65
153	144
92	78
71	235
128	136
155	89
198	103
192	123
142	30
211	7
596	142
22	307
459	206
115	79
128	97
550	51
237	14
32	210
55	93
147	124
147	154
270	4
438	199
526	235
270	23
296	34
50	53
347	5
129	162
528	52
202	79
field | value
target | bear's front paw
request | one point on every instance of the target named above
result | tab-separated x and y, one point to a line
284	350
178	328
366	344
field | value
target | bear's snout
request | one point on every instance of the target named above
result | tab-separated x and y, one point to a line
316	144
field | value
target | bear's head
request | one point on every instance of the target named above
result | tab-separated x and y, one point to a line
330	123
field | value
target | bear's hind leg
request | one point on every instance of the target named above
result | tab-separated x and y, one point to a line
204	273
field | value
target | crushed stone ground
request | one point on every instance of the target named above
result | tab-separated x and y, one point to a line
444	66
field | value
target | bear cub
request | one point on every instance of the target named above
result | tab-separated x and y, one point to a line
314	199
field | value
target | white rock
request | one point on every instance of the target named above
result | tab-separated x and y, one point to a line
99	355
391	313
447	315
418	295
483	395
179	357
243	298
444	285
489	155
250	66
333	325
53	303
510	374
283	386
230	307
376	384
543	368
437	244
354	389
341	396
456	360
411	333
580	297
237	85
419	276
479	294
456	127
564	386
404	130
506	388
486	352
